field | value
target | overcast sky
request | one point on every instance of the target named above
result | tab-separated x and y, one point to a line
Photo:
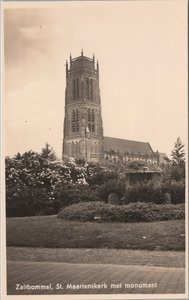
142	51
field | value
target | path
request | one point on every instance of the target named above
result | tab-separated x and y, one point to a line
161	280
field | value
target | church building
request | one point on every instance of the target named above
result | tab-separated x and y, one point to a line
83	126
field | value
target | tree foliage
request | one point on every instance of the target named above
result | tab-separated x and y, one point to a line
178	154
176	167
34	179
40	184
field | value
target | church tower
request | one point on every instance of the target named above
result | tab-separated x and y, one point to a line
83	129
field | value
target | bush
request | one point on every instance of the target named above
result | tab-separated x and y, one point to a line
143	192
154	193
175	172
113	186
134	212
70	194
176	190
36	182
98	176
113	199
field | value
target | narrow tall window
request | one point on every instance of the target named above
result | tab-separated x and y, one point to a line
91	120
73	121
74	89
89	115
91	89
77	121
82	90
93	116
77	89
87	88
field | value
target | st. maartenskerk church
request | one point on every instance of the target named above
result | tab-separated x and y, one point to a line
83	126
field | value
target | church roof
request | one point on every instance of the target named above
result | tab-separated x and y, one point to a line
128	146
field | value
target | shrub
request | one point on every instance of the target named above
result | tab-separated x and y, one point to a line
115	186
70	194
113	199
154	193
143	192
134	212
99	176
176	190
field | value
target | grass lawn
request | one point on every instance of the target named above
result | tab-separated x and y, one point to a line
98	256
52	232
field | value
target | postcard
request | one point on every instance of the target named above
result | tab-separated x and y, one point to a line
94	150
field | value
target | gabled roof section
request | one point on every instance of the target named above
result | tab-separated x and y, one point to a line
163	158
128	146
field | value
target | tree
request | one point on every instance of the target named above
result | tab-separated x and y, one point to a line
178	154
34	182
48	153
176	168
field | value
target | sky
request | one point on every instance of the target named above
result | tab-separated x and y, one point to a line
141	47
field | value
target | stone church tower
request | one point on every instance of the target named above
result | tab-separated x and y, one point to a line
83	129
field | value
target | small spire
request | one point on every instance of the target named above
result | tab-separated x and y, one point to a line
81	52
93	58
70	57
97	67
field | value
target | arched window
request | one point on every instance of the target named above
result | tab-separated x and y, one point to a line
93	116
91	120
75	85
74	89
89	115
87	88
75	120
77	89
91	89
82	90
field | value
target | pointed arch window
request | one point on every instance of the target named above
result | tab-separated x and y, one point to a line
93	116
75	120
77	87
89	115
74	89
91	120
91	89
87	88
82	90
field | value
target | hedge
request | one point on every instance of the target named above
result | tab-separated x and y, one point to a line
134	212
